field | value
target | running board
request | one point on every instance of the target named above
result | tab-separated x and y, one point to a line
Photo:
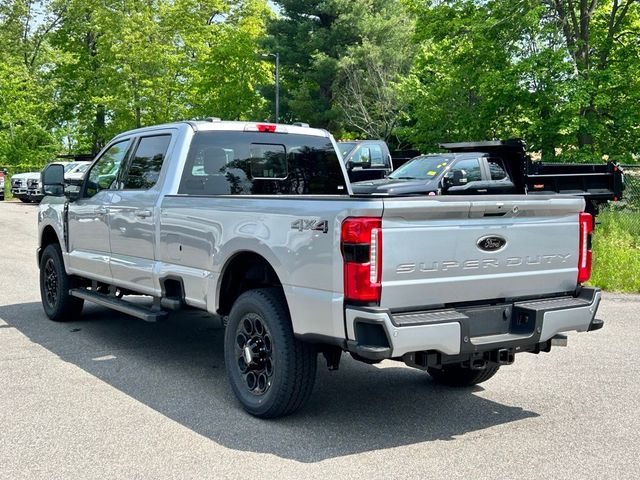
146	314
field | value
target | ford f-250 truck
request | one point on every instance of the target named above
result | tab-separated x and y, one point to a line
257	224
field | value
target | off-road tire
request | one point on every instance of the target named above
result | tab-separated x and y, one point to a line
292	362
58	305
458	376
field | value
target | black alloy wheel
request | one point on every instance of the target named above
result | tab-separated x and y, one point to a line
254	354
50	283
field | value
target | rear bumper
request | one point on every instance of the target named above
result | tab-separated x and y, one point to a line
377	333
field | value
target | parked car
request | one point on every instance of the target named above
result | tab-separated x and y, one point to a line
257	225
366	159
19	188
498	167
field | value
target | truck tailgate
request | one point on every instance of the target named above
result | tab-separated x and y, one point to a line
444	250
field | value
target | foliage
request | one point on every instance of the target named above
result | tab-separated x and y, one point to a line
340	54
93	68
562	74
616	252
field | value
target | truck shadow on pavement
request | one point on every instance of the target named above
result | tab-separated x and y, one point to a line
176	368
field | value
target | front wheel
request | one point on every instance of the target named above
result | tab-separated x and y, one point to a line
271	372
458	376
54	287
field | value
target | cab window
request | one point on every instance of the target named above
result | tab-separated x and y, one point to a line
253	163
377	157
146	163
497	169
470	169
104	172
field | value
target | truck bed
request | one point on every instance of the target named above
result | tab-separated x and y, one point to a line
591	181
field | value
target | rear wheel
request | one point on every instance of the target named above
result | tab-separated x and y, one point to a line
458	376
271	372
54	287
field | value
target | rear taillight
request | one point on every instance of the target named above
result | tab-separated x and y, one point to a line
361	243
584	255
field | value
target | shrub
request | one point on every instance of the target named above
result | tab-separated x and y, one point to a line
616	251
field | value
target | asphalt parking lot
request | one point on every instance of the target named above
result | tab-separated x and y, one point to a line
110	396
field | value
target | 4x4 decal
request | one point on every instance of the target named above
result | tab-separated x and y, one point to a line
303	224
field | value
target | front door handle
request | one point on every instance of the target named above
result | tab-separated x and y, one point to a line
101	210
143	213
482	190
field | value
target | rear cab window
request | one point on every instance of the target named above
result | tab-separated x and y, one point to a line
144	167
497	170
255	163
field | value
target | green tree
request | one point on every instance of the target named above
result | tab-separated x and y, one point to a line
129	64
560	73
27	132
325	45
370	72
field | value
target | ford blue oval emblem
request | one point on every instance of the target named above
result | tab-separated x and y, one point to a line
491	243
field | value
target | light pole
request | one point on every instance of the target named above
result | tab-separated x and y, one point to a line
277	57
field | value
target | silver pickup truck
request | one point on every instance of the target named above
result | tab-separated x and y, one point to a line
257	224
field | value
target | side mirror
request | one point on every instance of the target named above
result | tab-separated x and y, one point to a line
72	192
349	165
454	178
52	177
459	178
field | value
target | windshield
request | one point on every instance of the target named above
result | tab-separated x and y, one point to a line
421	168
346	147
83	167
70	166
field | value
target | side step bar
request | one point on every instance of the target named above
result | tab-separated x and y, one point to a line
146	314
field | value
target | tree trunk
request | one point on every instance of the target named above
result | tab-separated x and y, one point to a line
98	130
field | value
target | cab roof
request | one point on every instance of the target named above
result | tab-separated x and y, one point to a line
215	124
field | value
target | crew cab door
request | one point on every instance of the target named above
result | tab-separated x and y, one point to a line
88	223
133	213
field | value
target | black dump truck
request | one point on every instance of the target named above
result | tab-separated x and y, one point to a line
498	167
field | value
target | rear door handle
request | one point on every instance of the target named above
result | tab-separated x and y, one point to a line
143	213
482	190
101	210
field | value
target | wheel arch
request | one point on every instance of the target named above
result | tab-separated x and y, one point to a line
243	271
48	236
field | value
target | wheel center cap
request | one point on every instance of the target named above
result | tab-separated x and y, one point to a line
248	355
